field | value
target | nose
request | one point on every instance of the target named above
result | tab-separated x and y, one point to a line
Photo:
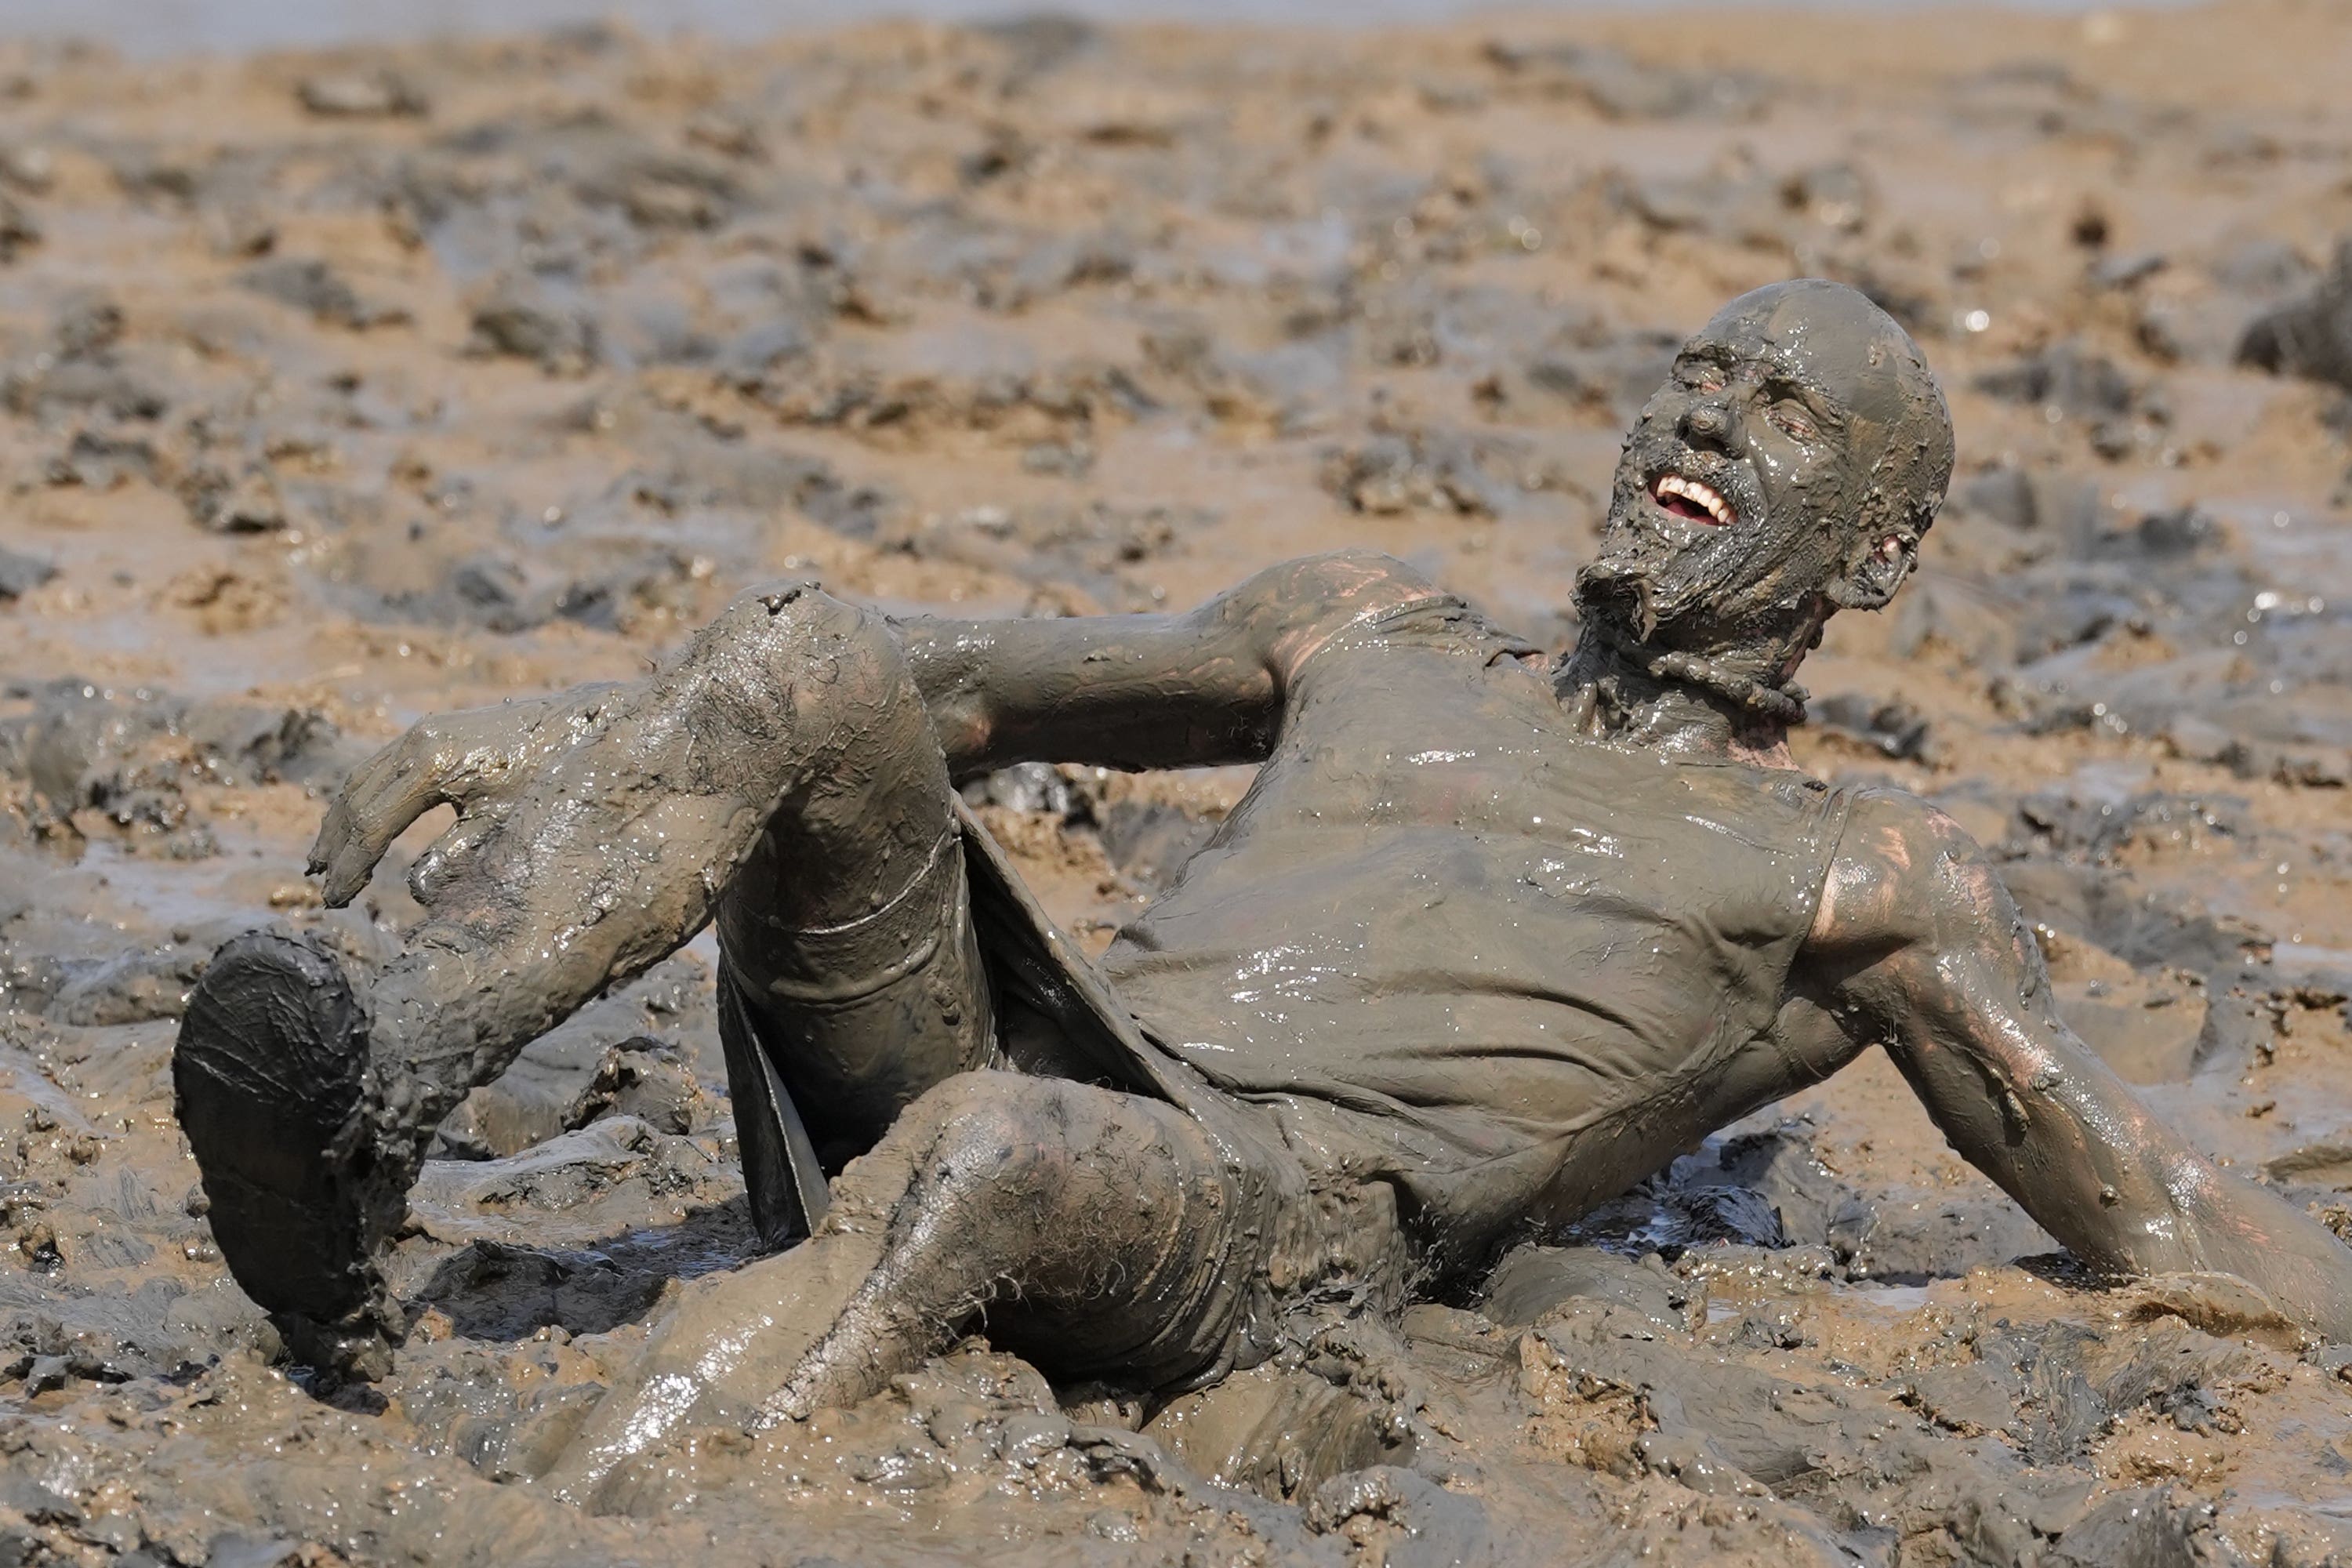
1710	422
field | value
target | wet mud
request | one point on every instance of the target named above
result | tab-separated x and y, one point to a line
338	390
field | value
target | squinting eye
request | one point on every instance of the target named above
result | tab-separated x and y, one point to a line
1704	377
1793	419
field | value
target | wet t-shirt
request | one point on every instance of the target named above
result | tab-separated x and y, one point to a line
1443	938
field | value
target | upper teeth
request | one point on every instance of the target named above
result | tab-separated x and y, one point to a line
1692	490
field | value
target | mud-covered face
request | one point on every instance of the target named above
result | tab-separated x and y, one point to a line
1788	464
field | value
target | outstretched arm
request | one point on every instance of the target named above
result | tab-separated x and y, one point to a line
1129	691
1142	691
1923	950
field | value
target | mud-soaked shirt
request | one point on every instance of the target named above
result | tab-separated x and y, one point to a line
1452	945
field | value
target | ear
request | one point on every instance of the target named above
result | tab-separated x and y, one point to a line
1868	583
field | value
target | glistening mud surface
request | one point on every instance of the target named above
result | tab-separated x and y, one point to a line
336	391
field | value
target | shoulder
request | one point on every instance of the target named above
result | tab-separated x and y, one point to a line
1903	873
1338	581
1300	608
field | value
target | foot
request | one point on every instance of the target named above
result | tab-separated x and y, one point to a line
271	1076
595	834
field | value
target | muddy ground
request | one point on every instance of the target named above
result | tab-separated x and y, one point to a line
336	390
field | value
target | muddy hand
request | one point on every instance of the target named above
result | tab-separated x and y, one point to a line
596	839
595	833
450	759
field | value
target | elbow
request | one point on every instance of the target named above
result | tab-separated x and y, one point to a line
967	734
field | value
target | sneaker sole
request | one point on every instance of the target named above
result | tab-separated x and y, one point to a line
268	1076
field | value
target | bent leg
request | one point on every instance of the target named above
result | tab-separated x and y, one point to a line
1100	1231
855	962
788	729
850	971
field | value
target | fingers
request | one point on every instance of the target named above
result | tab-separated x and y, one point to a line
447	857
450	759
388	792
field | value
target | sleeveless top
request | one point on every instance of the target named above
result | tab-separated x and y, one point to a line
1444	941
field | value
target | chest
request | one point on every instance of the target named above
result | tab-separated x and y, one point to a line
1442	750
1412	739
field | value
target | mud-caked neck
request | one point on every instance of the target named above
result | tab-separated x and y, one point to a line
1619	689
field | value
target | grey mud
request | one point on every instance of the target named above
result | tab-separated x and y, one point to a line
1419	1169
1285	1085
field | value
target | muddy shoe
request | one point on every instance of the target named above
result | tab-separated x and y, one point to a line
270	1075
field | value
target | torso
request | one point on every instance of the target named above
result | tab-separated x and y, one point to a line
1452	945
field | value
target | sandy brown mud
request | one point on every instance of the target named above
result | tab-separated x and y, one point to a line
337	391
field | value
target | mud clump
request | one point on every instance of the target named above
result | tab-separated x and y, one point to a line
338	389
2310	336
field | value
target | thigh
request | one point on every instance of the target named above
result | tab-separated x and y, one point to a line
831	1034
860	1018
847	928
1127	1238
1166	1247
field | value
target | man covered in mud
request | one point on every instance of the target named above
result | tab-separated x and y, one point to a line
1489	938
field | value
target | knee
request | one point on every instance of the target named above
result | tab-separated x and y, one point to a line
998	1132
793	632
791	671
978	1148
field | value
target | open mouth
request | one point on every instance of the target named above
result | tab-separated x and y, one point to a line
1690	500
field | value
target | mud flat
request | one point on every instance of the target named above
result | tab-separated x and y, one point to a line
336	389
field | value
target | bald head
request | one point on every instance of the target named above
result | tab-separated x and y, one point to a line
1835	338
1790	464
1834	334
